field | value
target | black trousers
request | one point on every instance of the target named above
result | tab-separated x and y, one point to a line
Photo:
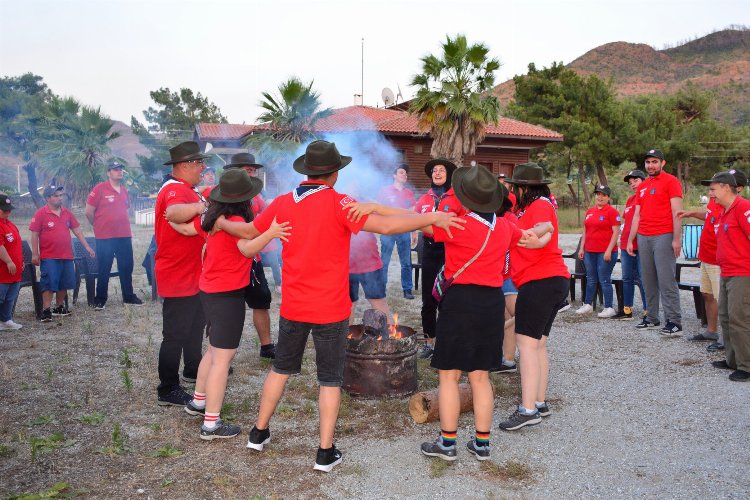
182	333
433	258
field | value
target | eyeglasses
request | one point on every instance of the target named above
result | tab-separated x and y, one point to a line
439	170
196	161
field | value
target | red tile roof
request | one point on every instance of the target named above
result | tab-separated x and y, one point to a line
222	131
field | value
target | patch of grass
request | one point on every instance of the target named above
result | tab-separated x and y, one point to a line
310	409
6	451
438	468
166	452
44	420
126	381
156	426
504	387
46	444
354	470
167	483
286	411
58	490
508	470
95	418
50	374
224	485
428	378
87	328
227	413
124	356
25	386
117	447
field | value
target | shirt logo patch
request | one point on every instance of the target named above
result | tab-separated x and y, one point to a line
9	237
446	208
726	227
50	224
171	194
110	198
588	215
601	217
653	191
426	208
617	218
346	200
643	191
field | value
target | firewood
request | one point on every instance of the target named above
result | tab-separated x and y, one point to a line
424	407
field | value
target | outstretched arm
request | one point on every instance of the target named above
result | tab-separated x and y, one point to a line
243	230
250	248
397	224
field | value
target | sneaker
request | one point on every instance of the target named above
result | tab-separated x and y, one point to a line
187	380
193	410
607	312
705	336
99	306
258	439
564	306
133	301
544	410
722	364
326	460
671	330
503	368
10	325
46	316
645	324
268	351
61	310
623	316
426	352
408	295
221	431
739	376
178	397
437	449
715	346
585	309
518	420
479	452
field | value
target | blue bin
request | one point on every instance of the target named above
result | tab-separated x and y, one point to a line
691	235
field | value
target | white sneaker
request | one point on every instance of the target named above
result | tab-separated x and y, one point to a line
10	325
607	312
585	309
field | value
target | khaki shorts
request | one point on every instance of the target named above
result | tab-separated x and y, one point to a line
710	274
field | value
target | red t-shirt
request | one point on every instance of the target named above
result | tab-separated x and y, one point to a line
654	195
363	253
111	216
224	267
732	235
11	240
487	270
178	257
598	225
315	274
535	264
627	225
512	199
401	198
707	245
510	217
447	202
257	205
54	232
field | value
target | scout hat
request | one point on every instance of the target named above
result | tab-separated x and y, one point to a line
477	189
528	174
601	188
50	190
236	186
449	166
185	151
655	153
722	177
242	160
635	174
320	158
5	204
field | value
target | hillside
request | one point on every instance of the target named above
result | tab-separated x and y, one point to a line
719	62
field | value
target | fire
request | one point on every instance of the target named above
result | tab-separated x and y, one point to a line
393	331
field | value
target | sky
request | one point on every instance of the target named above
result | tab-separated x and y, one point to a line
112	53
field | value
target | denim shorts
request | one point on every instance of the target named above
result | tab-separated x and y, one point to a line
509	288
57	275
373	283
330	349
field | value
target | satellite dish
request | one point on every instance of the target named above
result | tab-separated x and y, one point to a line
388	97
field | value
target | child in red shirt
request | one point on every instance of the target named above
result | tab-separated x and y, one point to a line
11	255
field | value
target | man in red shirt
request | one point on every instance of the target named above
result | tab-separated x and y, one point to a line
52	251
107	210
398	195
178	269
733	248
659	231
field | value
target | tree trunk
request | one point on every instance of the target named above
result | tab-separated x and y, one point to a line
424	406
602	175
584	188
30	169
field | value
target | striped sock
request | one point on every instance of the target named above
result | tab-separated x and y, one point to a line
209	420
199	400
448	438
483	438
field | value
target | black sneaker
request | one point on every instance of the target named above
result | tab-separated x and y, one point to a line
326	460
133	301
221	431
258	439
722	364
645	324
268	351
61	310
739	376
193	410
544	410
715	346
437	449
178	397
479	452
671	330
426	352
99	306
408	295
503	368
623	316
518	420
46	316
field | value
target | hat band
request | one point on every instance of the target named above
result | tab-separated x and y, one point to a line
322	168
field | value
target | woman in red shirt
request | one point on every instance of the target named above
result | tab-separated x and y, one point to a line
601	229
11	255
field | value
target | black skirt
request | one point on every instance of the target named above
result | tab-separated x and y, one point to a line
470	328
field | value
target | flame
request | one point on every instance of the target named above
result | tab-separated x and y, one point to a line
350	336
393	331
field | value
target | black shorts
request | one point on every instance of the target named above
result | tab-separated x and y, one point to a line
225	312
257	293
537	305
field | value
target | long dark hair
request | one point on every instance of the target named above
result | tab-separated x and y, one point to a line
218	208
532	193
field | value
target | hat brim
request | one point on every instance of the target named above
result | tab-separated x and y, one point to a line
713	181
628	177
603	192
256	188
240	165
524	182
449	165
493	205
7	208
192	157
299	166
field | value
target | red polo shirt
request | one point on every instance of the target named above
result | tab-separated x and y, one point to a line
510	217
536	264
111	216
732	235
598	225
401	198
363	253
487	270
224	267
54	232
11	241
654	195
707	245
257	205
627	225
178	257
447	202
315	274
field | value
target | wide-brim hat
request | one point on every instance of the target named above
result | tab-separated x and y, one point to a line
320	158
528	174
185	151
242	160
477	189
635	174
449	166
5	204
723	178
236	186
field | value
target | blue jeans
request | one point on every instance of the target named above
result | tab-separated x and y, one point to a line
106	251
8	296
272	260
631	276
403	245
599	271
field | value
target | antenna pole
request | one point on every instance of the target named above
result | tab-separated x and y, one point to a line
362	76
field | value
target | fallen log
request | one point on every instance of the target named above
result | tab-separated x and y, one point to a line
424	407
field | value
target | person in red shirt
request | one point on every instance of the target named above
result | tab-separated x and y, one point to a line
398	195
366	269
107	210
658	230
733	248
11	255
52	251
601	229
315	287
501	179
178	270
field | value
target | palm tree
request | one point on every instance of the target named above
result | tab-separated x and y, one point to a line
453	101
293	112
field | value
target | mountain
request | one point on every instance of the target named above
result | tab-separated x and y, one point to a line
719	62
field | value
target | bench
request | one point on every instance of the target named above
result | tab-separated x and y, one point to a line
86	267
695	288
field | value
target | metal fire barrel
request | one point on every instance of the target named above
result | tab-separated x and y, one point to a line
380	367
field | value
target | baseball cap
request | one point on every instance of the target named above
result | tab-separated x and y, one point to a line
655	153
5	204
739	176
723	178
51	189
114	165
601	188
635	174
